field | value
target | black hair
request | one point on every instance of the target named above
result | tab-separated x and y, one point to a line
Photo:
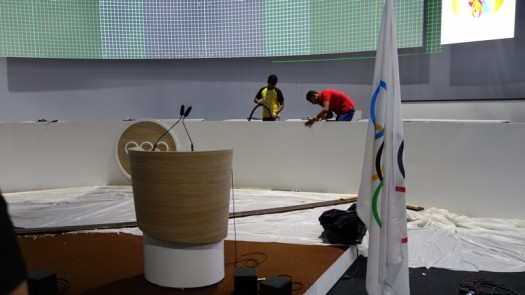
272	79
310	94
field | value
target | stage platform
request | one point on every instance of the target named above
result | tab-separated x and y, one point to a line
110	263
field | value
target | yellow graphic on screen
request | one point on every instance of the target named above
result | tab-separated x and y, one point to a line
476	8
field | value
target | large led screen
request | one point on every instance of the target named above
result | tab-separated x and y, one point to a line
162	29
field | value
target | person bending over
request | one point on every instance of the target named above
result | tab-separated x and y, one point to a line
272	100
330	100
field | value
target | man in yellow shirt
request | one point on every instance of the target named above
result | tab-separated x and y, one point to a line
272	100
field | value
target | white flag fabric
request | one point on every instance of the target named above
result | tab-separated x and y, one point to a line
381	203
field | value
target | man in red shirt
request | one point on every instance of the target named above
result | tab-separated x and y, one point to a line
332	101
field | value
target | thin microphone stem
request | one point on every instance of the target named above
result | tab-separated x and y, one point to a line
157	142
191	142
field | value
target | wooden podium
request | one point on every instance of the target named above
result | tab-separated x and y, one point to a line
182	206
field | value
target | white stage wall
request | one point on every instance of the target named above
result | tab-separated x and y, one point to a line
473	168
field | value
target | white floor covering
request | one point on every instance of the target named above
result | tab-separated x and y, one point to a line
437	238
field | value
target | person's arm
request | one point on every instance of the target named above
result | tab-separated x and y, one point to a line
280	100
258	99
323	115
278	111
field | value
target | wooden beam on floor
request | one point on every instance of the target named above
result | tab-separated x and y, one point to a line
130	224
340	201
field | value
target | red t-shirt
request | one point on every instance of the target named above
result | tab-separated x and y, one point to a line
340	103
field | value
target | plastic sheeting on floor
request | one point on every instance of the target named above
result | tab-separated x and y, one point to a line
437	238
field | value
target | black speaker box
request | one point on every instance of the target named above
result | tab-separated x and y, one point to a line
42	282
275	285
245	281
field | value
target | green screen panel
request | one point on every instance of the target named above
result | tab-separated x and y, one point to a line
287	27
344	26
17	38
433	27
353	26
51	29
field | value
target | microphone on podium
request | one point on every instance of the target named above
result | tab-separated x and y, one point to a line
185	115
187	112
182	113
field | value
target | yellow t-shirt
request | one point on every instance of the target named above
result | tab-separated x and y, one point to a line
272	99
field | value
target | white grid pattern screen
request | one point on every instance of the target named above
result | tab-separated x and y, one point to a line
162	29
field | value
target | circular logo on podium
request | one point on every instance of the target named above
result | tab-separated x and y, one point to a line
143	134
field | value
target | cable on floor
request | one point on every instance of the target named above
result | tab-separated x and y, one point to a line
484	287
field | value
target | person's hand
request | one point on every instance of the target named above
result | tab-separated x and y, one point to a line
274	115
310	121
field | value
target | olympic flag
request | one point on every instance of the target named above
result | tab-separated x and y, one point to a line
381	204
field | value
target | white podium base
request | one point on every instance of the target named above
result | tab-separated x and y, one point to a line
177	265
